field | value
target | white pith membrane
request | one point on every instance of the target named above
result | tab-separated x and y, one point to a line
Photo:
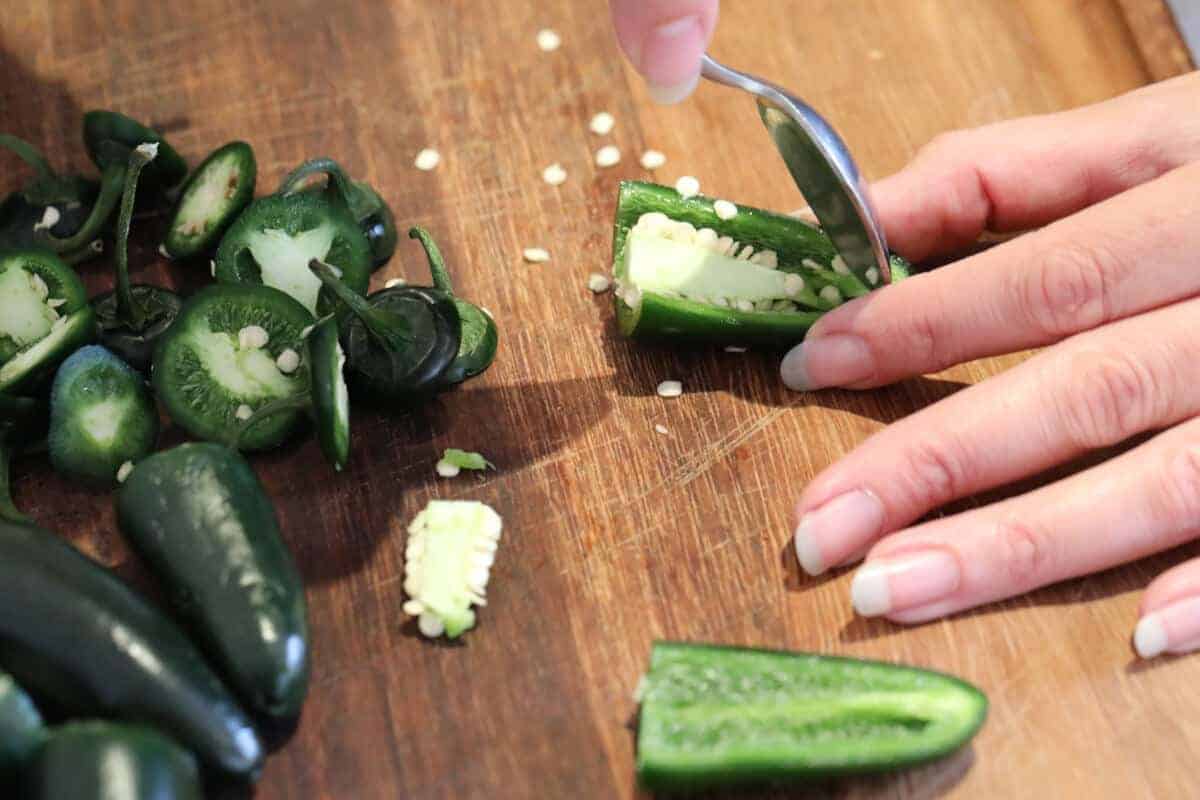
208	196
448	560
283	260
243	368
675	259
27	311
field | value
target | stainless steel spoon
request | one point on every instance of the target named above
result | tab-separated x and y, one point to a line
824	170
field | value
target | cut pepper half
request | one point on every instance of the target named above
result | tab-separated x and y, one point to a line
685	272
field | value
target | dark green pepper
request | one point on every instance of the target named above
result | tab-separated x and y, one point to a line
44	317
110	138
226	356
220	188
70	629
131	318
48	205
681	273
22	421
111	761
201	520
273	240
21	729
102	417
480	339
716	716
399	342
369	210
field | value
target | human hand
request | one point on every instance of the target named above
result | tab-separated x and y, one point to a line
664	40
1113	283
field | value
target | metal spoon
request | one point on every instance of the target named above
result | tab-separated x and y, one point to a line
824	170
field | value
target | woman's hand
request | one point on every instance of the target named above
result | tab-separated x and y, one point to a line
1113	283
664	40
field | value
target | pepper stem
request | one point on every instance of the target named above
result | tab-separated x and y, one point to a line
129	311
390	330
8	509
303	400
111	183
437	265
29	154
337	177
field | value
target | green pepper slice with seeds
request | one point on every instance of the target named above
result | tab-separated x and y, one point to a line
44	317
110	138
684	273
480	339
373	215
229	353
275	238
399	342
220	188
48	205
718	716
131	318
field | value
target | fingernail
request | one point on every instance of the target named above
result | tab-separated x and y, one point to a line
670	59
840	359
831	532
904	583
1171	629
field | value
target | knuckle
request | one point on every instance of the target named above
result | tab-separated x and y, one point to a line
1107	398
934	473
1025	554
1068	289
1179	487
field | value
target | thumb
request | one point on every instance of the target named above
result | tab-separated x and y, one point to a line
664	40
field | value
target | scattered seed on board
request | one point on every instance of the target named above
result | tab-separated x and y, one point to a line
602	124
653	159
725	209
733	348
253	337
447	470
288	361
554	174
687	186
662	429
162	251
212	267
427	159
670	389
123	471
394	282
536	255
598	283
548	41
608	156
50	218
244	412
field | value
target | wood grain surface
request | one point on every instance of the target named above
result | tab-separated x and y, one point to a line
615	535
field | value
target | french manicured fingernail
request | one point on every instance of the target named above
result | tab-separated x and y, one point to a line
1171	629
670	59
840	359
904	583
832	532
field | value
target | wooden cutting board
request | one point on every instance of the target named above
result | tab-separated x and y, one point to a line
615	535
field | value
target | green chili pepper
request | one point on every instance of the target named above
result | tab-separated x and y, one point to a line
21	421
110	138
101	417
44	317
369	210
220	188
713	716
112	761
480	339
399	342
228	354
275	237
48	205
131	318
684	273
21	730
197	515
